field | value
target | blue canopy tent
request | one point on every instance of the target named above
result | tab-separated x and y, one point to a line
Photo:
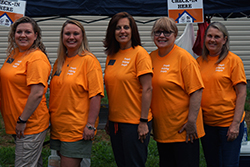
43	8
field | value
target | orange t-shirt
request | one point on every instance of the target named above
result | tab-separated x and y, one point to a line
70	93
176	76
219	97
123	86
17	75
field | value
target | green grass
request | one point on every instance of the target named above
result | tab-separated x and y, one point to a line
45	154
202	158
105	100
153	156
247	104
102	155
7	156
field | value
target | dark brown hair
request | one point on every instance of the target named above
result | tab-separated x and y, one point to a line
110	43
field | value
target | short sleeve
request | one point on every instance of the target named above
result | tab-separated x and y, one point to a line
238	74
94	77
38	71
192	77
143	63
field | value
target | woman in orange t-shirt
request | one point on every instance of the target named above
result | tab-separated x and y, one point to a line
24	82
127	79
76	89
223	98
177	90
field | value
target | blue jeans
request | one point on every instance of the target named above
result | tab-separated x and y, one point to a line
128	150
217	150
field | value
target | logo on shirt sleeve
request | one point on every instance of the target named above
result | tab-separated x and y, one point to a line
111	62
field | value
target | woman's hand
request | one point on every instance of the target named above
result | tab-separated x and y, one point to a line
194	108
142	131
191	131
233	131
34	99
94	108
146	82
88	134
20	129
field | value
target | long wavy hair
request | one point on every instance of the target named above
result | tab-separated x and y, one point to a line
225	48
12	46
62	50
110	43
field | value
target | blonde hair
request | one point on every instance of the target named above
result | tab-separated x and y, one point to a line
62	50
12	46
225	48
165	23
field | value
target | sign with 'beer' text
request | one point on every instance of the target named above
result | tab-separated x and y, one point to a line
186	11
10	11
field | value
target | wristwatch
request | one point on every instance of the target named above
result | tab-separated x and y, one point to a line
143	120
90	127
20	121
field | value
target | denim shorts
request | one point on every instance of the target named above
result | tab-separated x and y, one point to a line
77	149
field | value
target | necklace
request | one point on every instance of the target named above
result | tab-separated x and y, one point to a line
72	58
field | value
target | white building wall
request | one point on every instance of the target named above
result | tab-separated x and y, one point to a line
239	30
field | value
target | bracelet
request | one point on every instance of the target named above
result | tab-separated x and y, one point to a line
20	121
143	120
90	127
